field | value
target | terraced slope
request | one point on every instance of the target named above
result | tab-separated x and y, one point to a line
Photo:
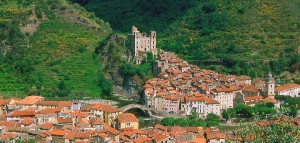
44	44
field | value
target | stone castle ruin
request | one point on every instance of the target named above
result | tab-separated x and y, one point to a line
141	44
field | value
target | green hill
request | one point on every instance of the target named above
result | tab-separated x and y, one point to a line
49	46
235	37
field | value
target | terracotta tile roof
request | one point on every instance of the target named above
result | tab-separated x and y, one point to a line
244	77
8	123
8	136
58	132
96	121
272	100
102	135
250	88
160	136
83	135
287	86
49	111
21	113
47	126
27	121
86	108
211	101
106	108
198	140
80	141
43	134
69	135
82	123
126	117
161	127
64	120
142	139
71	128
30	100
256	81
215	136
55	103
80	114
251	98
2	102
177	60
207	100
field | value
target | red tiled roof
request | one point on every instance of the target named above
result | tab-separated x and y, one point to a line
106	108
126	117
30	100
8	136
2	102
287	86
49	111
83	135
27	121
21	113
47	126
161	127
250	88
96	121
160	136
102	135
142	139
58	132
250	98
64	120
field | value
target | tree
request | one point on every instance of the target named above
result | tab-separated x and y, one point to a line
243	111
193	115
168	121
225	115
105	85
212	120
270	105
181	122
212	117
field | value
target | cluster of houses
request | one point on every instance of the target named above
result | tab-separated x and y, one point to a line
33	118
181	88
64	122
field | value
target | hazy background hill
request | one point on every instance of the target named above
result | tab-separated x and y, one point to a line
236	37
47	47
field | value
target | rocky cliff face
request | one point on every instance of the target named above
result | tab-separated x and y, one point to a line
112	53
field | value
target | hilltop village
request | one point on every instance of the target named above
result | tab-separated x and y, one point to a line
178	88
181	88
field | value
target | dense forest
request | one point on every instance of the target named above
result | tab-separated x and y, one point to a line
235	37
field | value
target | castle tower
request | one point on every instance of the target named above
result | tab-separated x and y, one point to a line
141	44
270	86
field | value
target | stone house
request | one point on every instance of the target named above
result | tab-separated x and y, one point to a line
127	120
289	89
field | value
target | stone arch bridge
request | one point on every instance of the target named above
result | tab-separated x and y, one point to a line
143	108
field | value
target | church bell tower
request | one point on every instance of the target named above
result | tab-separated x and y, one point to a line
270	86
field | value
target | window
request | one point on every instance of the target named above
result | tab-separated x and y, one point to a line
127	124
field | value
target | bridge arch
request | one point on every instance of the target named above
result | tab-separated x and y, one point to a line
138	106
142	107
